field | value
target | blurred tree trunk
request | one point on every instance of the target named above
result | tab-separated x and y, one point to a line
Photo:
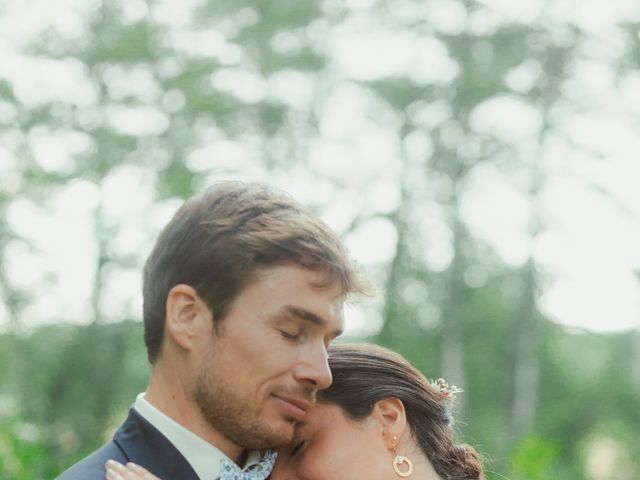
9	297
635	359
525	338
523	372
452	339
392	302
397	271
523	360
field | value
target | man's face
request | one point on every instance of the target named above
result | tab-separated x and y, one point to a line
259	374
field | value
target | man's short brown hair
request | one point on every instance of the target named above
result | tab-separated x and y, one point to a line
216	241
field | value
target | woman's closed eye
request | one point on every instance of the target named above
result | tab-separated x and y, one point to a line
297	447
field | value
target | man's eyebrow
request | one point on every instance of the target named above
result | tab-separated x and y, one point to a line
304	314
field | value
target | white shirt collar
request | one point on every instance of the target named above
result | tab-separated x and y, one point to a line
204	458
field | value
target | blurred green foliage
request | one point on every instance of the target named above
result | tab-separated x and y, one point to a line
541	402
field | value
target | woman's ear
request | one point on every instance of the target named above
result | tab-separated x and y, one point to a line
185	312
391	417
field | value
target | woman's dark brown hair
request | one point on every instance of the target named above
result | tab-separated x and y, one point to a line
364	374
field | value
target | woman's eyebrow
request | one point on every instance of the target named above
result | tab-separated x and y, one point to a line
301	425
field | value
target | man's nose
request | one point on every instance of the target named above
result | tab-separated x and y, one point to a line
314	367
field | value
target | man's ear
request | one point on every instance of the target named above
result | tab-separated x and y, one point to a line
391	417
186	315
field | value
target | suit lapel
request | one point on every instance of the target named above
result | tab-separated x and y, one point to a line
143	444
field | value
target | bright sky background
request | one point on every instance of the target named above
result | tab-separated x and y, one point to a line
588	250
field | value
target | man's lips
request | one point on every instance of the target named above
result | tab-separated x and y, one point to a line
295	407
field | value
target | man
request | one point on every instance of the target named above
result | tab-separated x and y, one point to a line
243	292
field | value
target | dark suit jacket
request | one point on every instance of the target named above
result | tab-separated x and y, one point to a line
135	441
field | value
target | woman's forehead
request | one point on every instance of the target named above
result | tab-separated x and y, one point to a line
319	416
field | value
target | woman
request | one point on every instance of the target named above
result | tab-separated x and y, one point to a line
380	419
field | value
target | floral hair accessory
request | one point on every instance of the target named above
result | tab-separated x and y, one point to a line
447	395
447	392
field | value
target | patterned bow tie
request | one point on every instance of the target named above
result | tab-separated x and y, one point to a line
259	471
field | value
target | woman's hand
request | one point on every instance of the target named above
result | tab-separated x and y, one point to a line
130	471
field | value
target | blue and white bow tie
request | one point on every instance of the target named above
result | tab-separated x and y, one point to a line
259	471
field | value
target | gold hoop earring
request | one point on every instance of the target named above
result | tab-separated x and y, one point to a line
399	460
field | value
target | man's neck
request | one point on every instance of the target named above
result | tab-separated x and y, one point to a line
167	393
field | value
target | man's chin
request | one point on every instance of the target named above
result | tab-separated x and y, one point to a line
285	431
283	435
275	435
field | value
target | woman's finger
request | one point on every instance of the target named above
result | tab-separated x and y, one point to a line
130	471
